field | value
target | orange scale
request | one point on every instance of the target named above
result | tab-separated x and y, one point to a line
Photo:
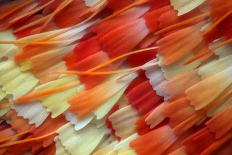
51	58
124	38
87	101
92	81
89	63
133	13
70	59
18	149
157	141
203	54
180	116
168	18
220	124
24	14
199	141
150	40
108	25
84	109
50	8
44	21
188	123
6	133
74	11
32	30
30	51
152	17
3	151
39	146
143	128
178	111
82	50
116	5
178	49
173	40
19	124
48	141
47	128
12	7
174	36
9	21
178	103
219	7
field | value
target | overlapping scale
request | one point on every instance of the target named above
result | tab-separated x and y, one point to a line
222	106
143	103
123	121
60	150
80	142
176	86
177	68
83	103
70	83
14	81
103	110
57	103
5	107
215	66
7	49
220	81
35	113
18	124
153	144
78	123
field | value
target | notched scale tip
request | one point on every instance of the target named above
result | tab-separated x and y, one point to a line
123	121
